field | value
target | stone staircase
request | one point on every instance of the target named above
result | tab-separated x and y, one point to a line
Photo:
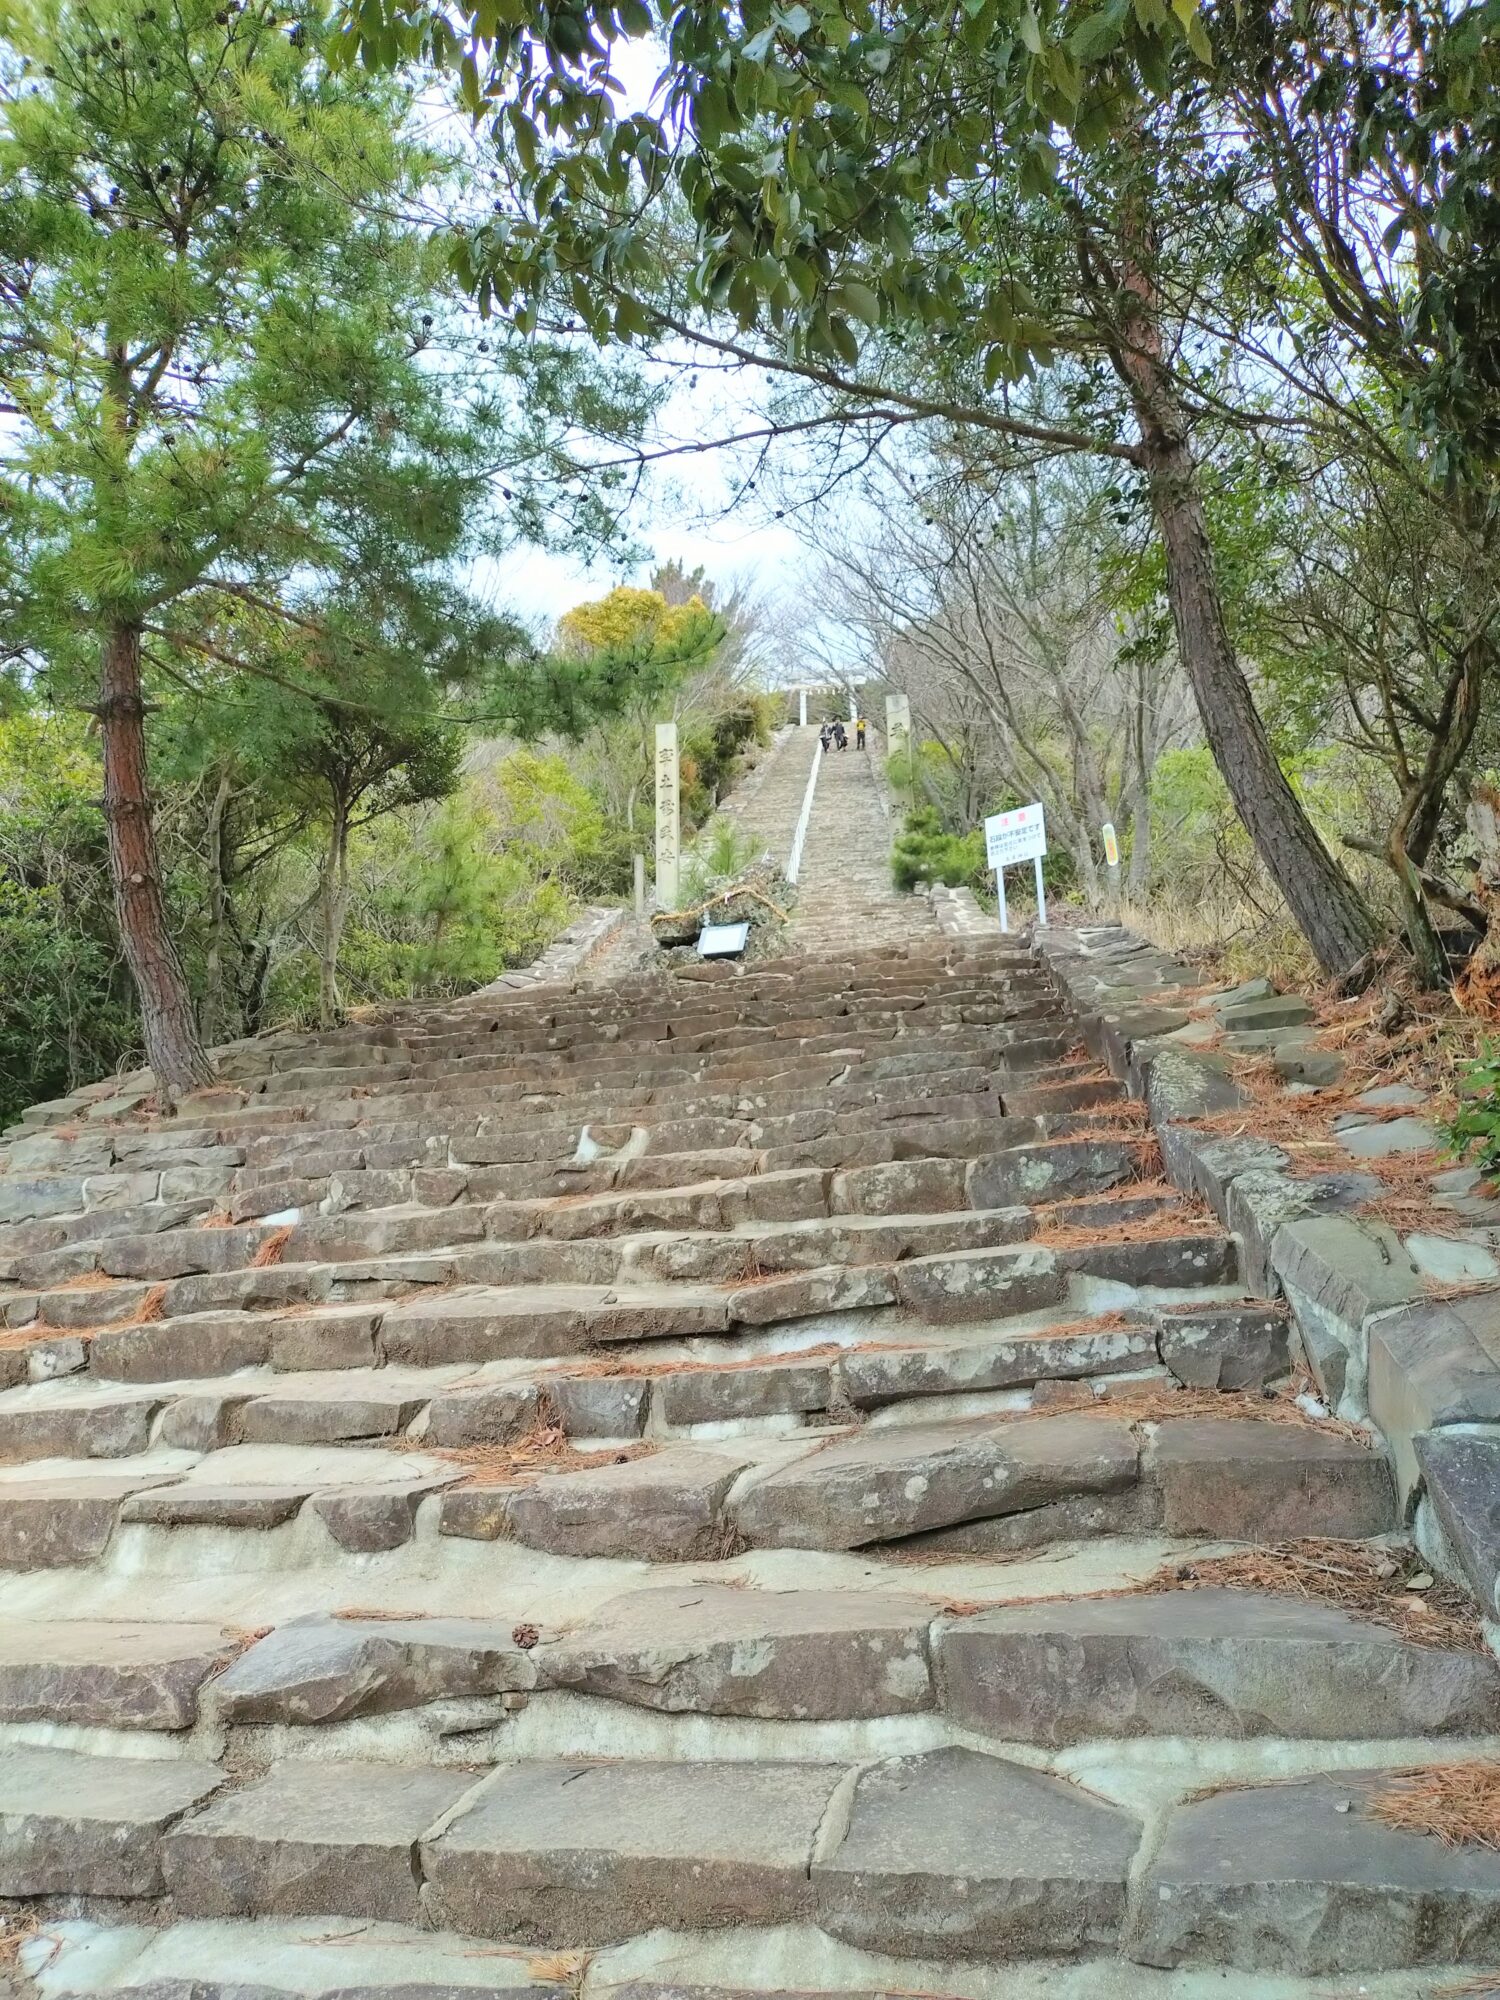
681	1487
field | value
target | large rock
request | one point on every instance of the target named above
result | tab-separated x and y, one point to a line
1051	1172
56	1523
883	1484
1433	1363
85	1674
90	1826
1219	1663
1226	1347
1462	1472
1299	1878
319	1670
979	1284
661	1508
311	1839
707	1395
1260	1200
42	1423
1247	1480
957	1854
947	1365
1337	1272
585	1854
796	1655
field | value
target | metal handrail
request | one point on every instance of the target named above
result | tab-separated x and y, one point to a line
794	865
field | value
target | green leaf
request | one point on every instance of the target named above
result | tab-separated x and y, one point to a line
842	336
860	300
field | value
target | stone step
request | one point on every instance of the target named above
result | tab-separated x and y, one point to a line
667	1387
310	1959
955	1854
981	1484
1209	1664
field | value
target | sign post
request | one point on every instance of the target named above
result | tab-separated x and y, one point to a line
1111	858
1019	835
668	816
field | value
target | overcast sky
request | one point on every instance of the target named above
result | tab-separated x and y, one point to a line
688	509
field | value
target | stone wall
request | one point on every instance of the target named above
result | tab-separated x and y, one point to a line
1400	1329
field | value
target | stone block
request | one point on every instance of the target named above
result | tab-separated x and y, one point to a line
72	1825
1203	1663
1462	1472
957	1854
1433	1363
320	1670
592	1853
788	1655
1337	1272
1244	1479
979	1284
665	1507
888	1373
885	1484
87	1674
1298	1878
311	1839
1225	1347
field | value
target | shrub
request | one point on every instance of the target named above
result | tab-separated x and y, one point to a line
1476	1124
925	853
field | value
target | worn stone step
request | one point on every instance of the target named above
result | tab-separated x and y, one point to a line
1204	1663
1300	1878
961	1855
325	1670
887	1484
291	1959
108	1674
795	1655
91	1826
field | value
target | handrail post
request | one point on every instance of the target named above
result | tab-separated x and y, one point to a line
794	864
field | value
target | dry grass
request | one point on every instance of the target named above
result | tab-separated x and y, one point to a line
1129	1113
1189	1216
364	1612
609	1365
273	1249
1458	1804
1370	1583
546	1447
22	1930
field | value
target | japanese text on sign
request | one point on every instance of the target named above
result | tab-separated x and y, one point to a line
1019	835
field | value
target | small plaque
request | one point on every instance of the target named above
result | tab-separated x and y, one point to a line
723	940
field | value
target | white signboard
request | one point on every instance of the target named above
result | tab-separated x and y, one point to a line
1014	836
1018	835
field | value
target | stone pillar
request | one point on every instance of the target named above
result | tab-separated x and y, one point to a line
668	815
802	707
897	725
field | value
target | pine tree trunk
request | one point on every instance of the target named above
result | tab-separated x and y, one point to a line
172	1046
215	1013
334	905
1328	908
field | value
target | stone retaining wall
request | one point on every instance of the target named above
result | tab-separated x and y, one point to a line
1400	1330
